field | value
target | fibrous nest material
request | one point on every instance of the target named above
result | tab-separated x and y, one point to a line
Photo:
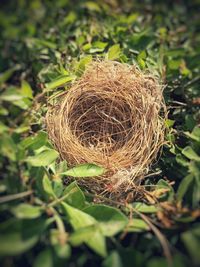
112	116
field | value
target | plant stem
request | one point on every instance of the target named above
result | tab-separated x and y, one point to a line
15	196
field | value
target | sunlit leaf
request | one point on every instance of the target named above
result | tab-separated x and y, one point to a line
189	153
111	220
114	52
44	158
85	170
26	211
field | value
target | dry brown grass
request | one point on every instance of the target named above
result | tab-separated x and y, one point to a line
112	116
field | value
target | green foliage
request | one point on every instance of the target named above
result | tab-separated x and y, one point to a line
46	217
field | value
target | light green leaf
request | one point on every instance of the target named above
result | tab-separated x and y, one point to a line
26	211
81	65
92	6
62	251
137	225
11	94
92	237
3	128
44	158
14	95
114	52
189	153
35	142
47	186
7	147
18	236
85	170
195	134
97	47
82	235
26	89
61	167
79	219
182	161
169	123
75	197
60	81
57	185
184	186
174	64
111	220
144	208
15	244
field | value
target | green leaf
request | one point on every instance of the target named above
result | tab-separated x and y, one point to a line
85	170
62	251
75	196
184	186
191	240
111	220
61	167
45	258
7	147
182	161
169	123
44	158
3	128
57	185
144	208
15	244
114	52
195	134
7	74
81	65
60	81
97	47
41	43
35	142
26	89
14	96
92	237
113	260
189	153
47	186
11	94
174	64
137	225
164	184
79	219
141	58
26	211
92	6
19	236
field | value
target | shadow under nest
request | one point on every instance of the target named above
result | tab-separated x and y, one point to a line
112	116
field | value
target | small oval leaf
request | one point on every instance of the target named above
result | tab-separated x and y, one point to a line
85	170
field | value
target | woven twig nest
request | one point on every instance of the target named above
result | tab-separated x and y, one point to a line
112	116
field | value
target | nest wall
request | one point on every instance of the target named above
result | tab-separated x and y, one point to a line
112	116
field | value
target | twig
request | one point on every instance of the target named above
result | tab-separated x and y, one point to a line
15	196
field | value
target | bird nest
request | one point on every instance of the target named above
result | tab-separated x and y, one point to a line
112	116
